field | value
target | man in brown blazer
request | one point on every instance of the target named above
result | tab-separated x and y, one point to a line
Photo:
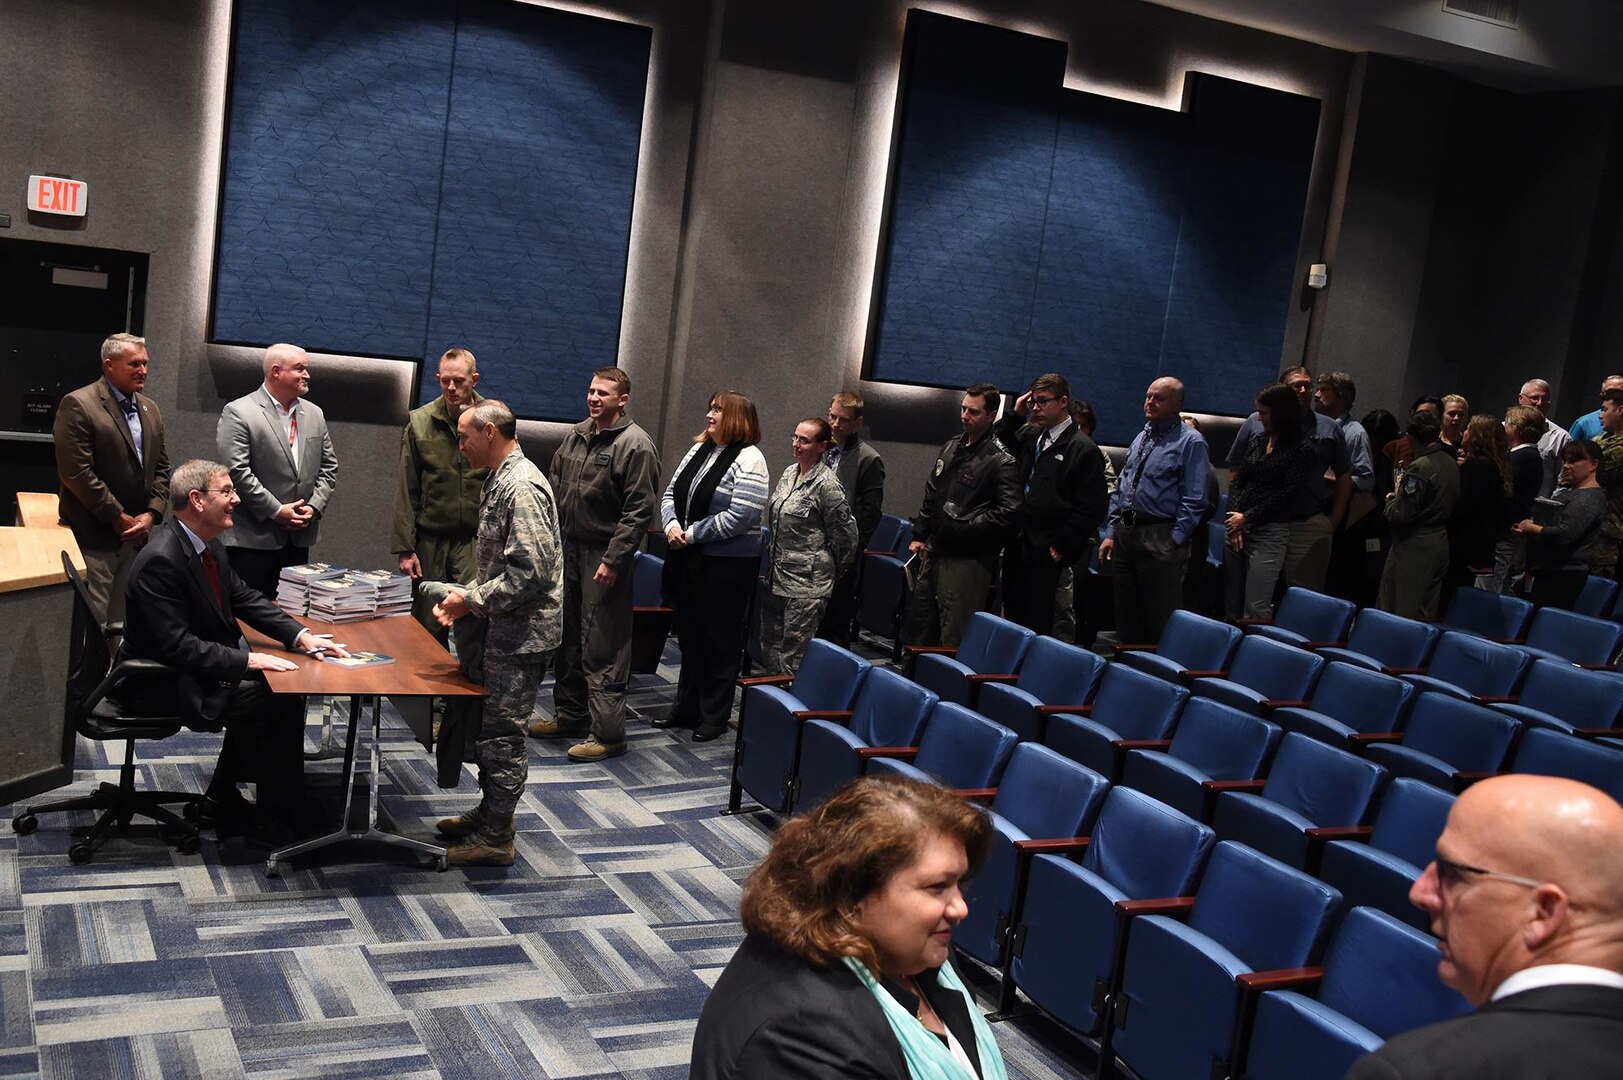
113	468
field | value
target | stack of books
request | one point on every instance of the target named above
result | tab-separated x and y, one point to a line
347	598
394	592
293	587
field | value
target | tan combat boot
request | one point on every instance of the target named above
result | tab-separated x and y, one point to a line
464	824
490	845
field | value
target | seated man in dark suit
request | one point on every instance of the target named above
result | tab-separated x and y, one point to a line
1526	895
182	607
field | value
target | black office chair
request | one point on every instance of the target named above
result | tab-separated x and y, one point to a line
95	716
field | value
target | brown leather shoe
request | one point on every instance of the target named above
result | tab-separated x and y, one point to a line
592	750
486	846
549	729
464	824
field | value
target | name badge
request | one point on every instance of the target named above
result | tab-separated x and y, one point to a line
602	457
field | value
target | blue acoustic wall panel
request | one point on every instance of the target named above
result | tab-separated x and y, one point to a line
404	177
969	197
331	178
535	218
1154	243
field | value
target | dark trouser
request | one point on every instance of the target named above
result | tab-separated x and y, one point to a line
594	660
1412	583
264	743
712	602
1147	577
501	749
841	614
949	589
1030	580
1556	588
445	558
259	570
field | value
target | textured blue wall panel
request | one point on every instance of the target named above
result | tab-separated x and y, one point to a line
402	178
1165	243
331	177
535	221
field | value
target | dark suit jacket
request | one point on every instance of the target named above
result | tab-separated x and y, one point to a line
96	463
1066	500
172	618
862	475
773	1015
1557	1032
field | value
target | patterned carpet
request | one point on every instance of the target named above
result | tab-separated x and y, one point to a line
591	956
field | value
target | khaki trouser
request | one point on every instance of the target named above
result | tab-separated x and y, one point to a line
1412	583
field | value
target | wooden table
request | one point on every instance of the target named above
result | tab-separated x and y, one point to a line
30	558
421	668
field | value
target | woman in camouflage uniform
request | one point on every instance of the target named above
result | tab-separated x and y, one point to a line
813	539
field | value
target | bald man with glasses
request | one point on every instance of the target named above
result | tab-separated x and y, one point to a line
1526	898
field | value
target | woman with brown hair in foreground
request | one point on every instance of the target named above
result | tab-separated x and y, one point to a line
844	971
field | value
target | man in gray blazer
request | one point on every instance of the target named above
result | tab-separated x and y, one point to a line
113	469
281	460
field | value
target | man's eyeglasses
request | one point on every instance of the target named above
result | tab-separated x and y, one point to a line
801	440
1040	402
1451	874
227	491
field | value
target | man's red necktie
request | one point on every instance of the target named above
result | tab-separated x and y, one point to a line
211	570
292	428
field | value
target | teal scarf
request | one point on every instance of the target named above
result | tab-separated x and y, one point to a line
927	1057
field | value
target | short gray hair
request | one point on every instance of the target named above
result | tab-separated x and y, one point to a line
278	354
190	476
119	344
1539	383
493	411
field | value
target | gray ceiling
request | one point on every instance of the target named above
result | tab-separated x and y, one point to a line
1556	44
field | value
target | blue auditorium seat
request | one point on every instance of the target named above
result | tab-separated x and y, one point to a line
889	710
1348	701
1306	619
960	748
1265	674
1552	753
1128	706
1054	677
991	646
1380	872
1596	597
1492	615
1215	747
1449	742
1189	643
1473	668
1382	641
1572	638
650	618
1562	697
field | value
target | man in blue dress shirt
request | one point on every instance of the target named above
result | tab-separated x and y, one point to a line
1588	426
1320	507
1153	514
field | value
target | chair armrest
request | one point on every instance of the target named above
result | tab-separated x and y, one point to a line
1253	621
113	629
1051	847
1598	667
1463	780
975	793
1270	704
1324	645
939	650
877	551
1216	786
765	680
1165	905
977	677
1327	833
1140	744
822	714
1119	648
1496	699
146	669
906	753
1508	640
1191	676
1279	979
1403	671
1050	710
1598	733
1364	738
652	610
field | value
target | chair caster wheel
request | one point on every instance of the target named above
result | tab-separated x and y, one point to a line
81	853
189	844
192	811
271	869
23	824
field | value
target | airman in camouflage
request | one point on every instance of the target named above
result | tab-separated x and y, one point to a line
813	540
518	589
1610	475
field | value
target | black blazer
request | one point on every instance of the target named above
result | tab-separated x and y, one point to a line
773	1015
1065	499
1553	1033
171	617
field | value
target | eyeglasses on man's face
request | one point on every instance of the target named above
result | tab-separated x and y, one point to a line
227	491
1451	874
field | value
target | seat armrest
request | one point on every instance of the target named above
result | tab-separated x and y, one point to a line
1327	833
113	629
1364	738
1270	704
1324	645
147	670
1140	744
823	714
765	680
652	610
1598	667
877	551
1496	699
1598	733
1120	648
906	753
1253	621
1403	671
1191	676
977	794
977	677
1279	979
1053	846
1165	905
1508	640
939	650
1463	780
1216	786
1050	710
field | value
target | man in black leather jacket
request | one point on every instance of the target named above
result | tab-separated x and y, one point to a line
970	503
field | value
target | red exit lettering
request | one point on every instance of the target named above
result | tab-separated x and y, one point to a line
54	195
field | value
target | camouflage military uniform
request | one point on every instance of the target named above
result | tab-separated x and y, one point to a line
519	590
436	506
813	540
1604	563
1412	582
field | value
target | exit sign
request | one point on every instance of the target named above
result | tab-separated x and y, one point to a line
54	195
